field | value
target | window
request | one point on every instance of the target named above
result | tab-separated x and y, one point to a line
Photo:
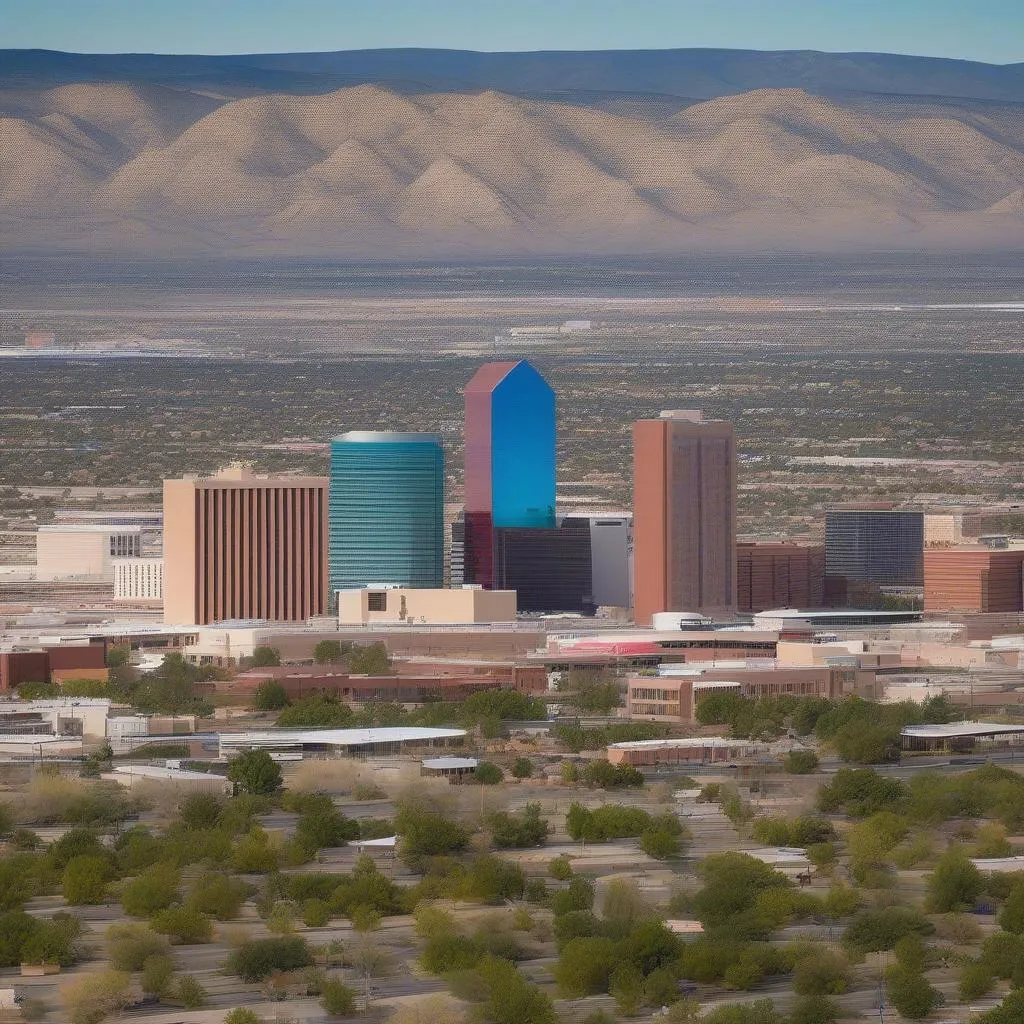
377	601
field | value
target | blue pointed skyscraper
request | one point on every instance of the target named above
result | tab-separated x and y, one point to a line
510	459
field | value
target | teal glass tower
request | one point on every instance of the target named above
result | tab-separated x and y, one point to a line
386	510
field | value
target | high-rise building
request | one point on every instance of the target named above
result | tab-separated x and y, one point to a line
611	557
510	459
875	544
550	569
684	515
780	575
386	510
241	546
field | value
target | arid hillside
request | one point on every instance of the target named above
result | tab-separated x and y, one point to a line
367	171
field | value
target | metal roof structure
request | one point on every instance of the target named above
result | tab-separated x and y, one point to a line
336	737
956	730
152	771
450	763
689	741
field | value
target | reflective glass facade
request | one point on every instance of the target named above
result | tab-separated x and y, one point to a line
510	459
386	510
882	546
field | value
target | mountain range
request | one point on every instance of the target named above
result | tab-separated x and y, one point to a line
424	153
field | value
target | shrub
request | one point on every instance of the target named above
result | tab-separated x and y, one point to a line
184	925
270	695
255	772
255	960
153	890
910	992
190	993
801	762
92	997
487	773
875	930
520	831
612	776
218	895
157	972
130	945
85	880
578	895
955	884
976	980
241	1015
560	868
523	768
337	999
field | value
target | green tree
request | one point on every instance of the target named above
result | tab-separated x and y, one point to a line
369	660
821	972
727	901
560	868
661	844
255	960
256	772
910	993
427	833
328	652
956	884
1011	917
218	895
320	711
976	980
85	880
270	695
265	657
153	890
815	1010
337	999
523	768
518	830
487	773
801	762
878	929
200	810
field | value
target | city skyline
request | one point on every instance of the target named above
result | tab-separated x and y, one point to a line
993	32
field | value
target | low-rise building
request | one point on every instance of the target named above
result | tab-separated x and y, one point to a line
687	750
370	606
85	550
674	697
780	575
974	579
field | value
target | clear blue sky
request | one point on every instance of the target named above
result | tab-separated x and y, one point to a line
989	30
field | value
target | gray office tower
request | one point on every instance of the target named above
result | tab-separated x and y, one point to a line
884	546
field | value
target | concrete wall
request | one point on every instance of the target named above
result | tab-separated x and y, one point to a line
438	607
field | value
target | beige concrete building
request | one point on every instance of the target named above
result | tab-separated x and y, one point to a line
68	551
241	546
461	606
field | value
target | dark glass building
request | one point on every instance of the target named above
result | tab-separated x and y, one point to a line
386	510
510	460
880	546
550	569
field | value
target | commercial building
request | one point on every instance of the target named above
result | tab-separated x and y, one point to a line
960	736
386	510
52	664
84	550
611	557
397	605
673	698
780	575
689	750
974	579
133	775
299	682
509	460
138	579
341	742
241	546
684	515
875	544
550	570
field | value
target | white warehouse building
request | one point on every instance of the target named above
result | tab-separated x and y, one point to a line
75	551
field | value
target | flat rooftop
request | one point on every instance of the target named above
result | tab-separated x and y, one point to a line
958	729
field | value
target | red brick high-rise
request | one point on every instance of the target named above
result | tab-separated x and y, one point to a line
684	515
